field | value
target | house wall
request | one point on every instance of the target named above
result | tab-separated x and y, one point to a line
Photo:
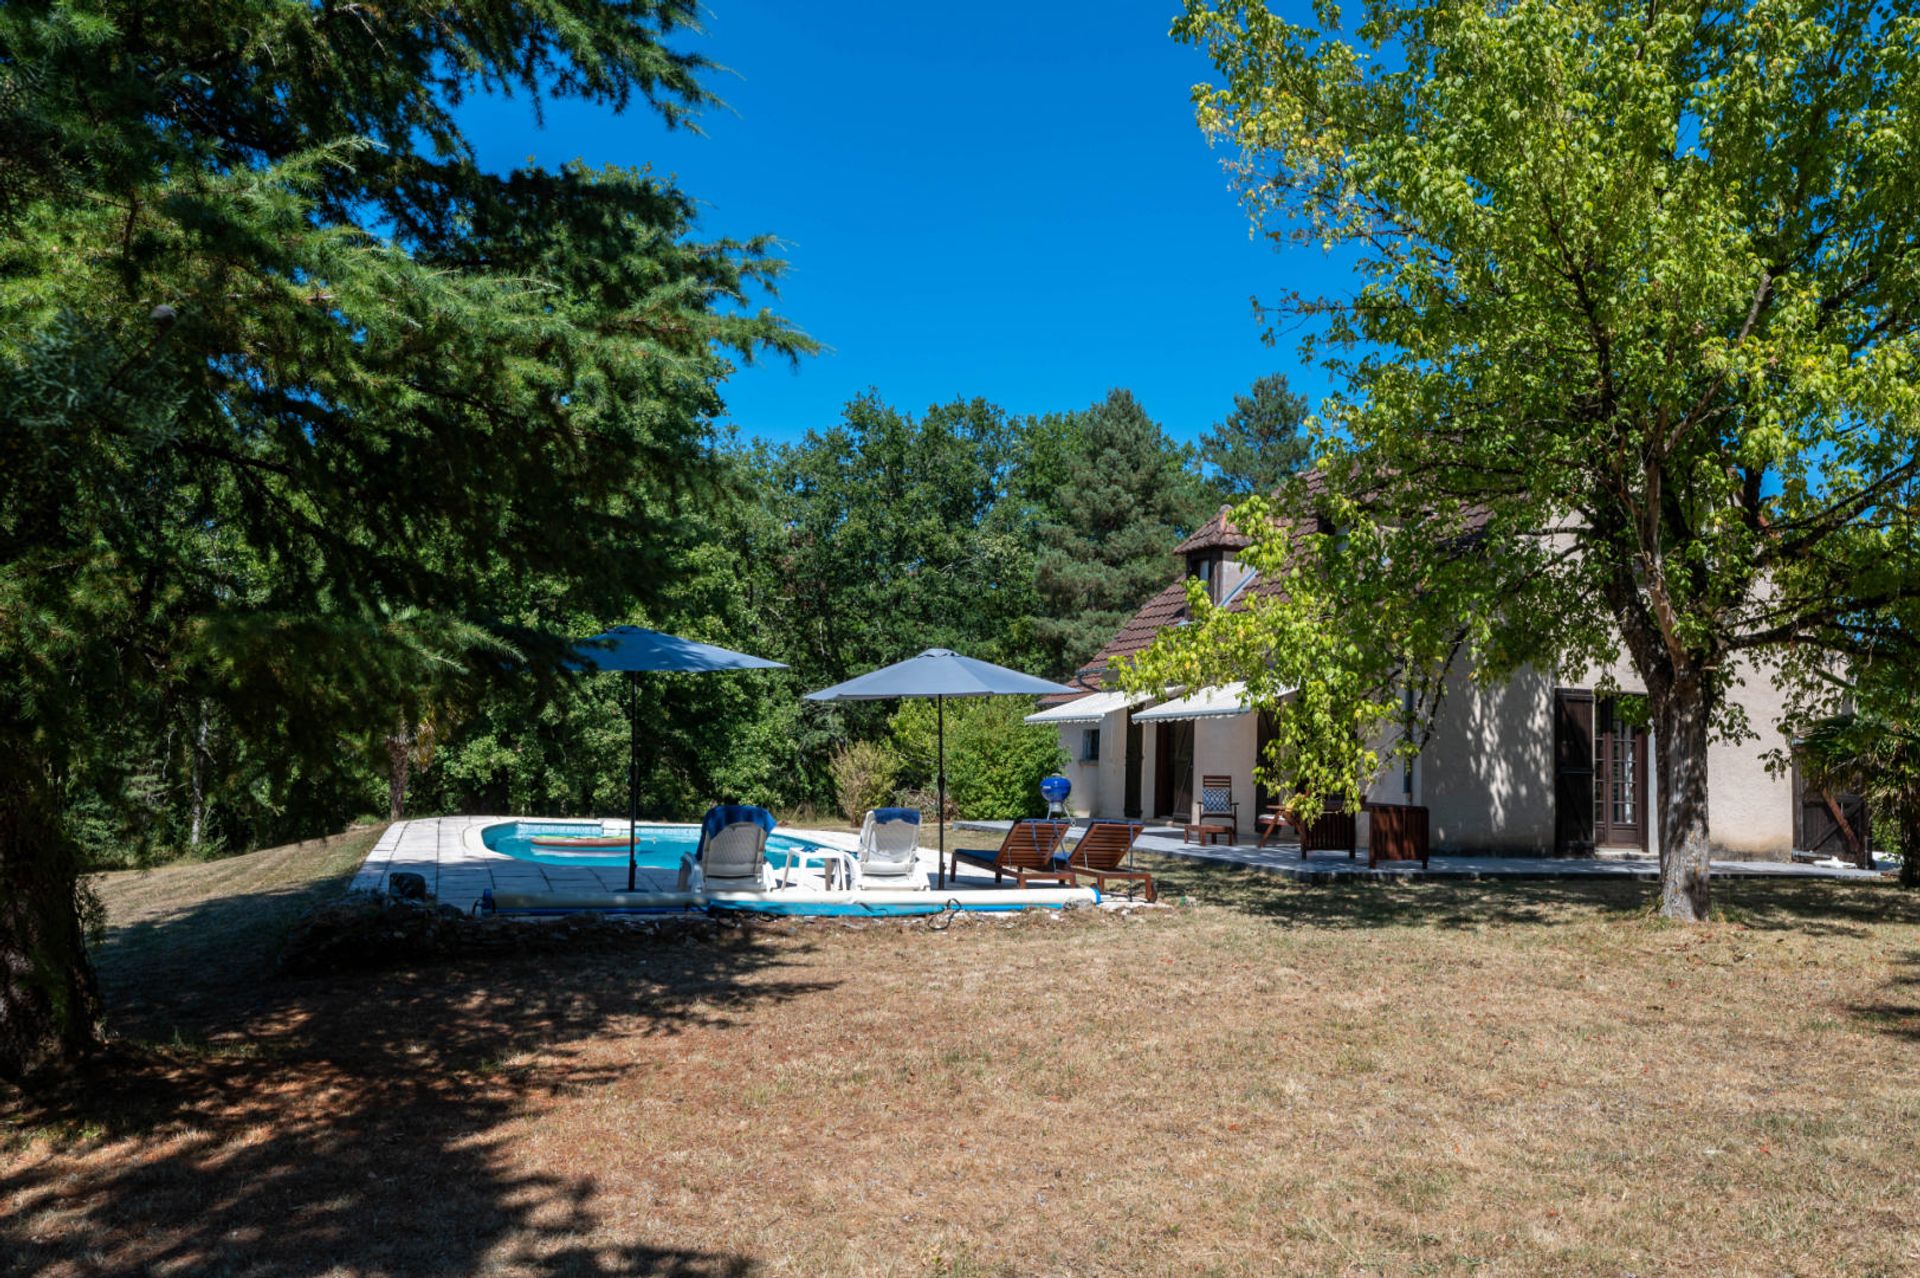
1226	744
1486	774
1100	787
1086	778
1750	809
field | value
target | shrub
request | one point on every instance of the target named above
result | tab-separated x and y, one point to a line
995	759
863	776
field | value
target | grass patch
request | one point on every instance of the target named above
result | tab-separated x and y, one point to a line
187	942
1475	1078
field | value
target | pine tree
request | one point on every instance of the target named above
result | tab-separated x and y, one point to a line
1260	443
1106	532
299	401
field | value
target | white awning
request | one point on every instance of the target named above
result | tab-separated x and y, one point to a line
1208	703
1091	708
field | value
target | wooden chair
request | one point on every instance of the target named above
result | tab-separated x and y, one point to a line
1030	851
1100	851
1217	805
1334	830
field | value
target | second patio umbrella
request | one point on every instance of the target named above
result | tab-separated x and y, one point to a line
633	649
938	673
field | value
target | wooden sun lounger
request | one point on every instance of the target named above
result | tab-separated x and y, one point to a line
1028	852
1102	849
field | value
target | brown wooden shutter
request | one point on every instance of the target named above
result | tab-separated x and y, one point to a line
1572	772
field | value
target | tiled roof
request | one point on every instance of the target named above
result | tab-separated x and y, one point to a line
1164	609
1216	532
1169	607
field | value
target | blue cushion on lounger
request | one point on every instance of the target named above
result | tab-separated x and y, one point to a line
722	815
909	815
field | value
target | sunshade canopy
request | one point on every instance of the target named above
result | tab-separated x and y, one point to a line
937	672
1091	708
1208	703
634	648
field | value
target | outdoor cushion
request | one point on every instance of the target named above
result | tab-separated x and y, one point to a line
722	815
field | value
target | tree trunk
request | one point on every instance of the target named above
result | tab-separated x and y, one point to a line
1910	849
399	770
197	771
1681	721
49	1003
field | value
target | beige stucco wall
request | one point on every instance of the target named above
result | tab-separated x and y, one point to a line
1099	788
1486	774
1226	744
1750	809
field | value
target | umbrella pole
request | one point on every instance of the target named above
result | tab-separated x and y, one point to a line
940	735
633	776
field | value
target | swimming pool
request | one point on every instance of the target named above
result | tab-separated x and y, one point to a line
658	846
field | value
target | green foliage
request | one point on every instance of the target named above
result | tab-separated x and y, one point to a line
1111	495
995	759
1326	688
1632	373
1260	443
886	534
309	419
1871	748
863	776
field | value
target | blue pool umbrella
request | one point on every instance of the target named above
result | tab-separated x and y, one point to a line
633	649
938	673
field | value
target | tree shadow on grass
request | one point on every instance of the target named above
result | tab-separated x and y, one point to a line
367	1124
1899	1013
1809	906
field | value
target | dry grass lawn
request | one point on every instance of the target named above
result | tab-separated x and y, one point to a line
1507	1078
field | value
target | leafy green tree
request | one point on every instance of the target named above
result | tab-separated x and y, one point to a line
300	404
995	758
1260	443
1111	495
891	536
1632	372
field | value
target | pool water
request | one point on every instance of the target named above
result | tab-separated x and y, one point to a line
659	846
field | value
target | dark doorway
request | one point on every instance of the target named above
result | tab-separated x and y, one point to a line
1572	773
1136	755
1173	770
1600	775
1831	824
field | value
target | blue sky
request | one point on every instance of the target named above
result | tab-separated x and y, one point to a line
1006	200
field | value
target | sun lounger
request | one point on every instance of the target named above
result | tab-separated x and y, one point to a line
889	854
732	855
1101	850
1031	850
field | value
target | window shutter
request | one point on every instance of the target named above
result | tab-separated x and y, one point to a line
1572	773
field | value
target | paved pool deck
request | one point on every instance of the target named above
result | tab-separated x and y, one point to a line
448	854
1324	867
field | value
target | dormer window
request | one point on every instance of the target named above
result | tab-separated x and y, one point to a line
1206	567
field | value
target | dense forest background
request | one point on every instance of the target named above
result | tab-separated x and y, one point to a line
1023	541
